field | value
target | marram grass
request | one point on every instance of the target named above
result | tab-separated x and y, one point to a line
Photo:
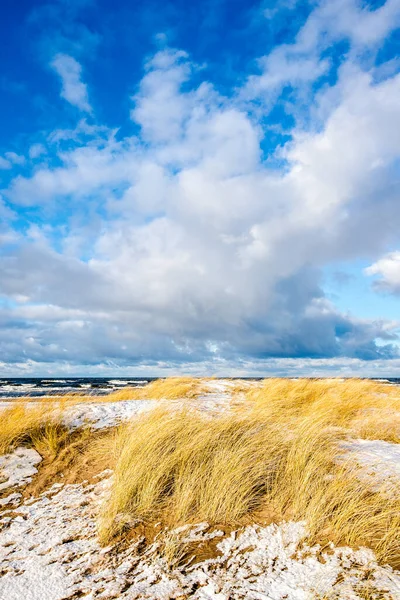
277	454
36	425
172	388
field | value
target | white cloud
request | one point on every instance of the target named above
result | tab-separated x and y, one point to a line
301	63
388	271
5	164
15	158
36	150
73	89
159	108
10	159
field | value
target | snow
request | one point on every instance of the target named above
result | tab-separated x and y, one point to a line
227	385
380	461
44	547
50	551
49	548
217	395
18	467
101	415
13	498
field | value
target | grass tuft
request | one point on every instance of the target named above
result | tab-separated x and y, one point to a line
279	453
35	425
182	466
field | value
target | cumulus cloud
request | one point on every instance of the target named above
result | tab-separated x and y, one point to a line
36	150
299	65
387	269
188	245
4	163
73	89
14	158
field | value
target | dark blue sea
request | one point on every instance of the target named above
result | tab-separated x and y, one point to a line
36	387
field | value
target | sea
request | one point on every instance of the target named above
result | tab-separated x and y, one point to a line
95	386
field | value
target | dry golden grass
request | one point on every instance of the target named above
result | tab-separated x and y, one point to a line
356	404
377	424
68	455
277	454
77	457
36	425
181	466
40	426
172	388
315	484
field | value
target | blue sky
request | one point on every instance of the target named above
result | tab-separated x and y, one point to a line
205	187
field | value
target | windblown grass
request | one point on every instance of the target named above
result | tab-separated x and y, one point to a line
172	388
378	424
181	466
277	455
78	456
362	406
69	455
38	426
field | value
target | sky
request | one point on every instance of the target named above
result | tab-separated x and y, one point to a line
206	187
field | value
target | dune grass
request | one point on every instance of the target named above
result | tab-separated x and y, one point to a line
180	466
172	388
276	456
366	408
69	455
38	426
378	424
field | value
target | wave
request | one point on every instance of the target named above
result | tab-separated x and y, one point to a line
127	382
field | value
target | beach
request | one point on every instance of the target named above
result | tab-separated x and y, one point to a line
79	519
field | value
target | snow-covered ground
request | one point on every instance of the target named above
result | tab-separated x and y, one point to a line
217	397
379	462
50	551
100	415
18	467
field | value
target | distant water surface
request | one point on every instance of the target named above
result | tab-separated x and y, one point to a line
96	386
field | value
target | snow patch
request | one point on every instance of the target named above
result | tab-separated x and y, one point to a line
50	551
18	467
105	414
380	461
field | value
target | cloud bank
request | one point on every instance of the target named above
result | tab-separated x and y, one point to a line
197	241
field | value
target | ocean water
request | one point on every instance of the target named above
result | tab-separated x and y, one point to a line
37	387
96	386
